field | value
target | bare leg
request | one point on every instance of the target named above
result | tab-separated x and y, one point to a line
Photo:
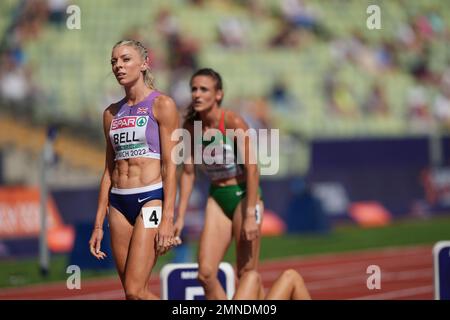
250	287
121	231
141	259
289	286
247	251
214	241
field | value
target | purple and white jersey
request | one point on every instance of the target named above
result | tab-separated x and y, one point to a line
134	131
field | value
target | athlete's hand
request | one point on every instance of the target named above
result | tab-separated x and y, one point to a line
250	228
178	227
164	238
95	243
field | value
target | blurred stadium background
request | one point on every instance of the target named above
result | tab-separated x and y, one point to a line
364	117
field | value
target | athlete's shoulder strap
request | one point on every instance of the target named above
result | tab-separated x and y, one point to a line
153	95
222	122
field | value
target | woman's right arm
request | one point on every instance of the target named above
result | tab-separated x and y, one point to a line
186	185
105	186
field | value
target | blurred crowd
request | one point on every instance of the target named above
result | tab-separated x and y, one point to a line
300	24
19	88
410	52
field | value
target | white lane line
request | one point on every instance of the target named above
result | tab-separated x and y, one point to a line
105	295
361	279
403	293
311	262
61	285
348	268
353	255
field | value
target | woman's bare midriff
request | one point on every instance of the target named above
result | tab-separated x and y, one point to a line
136	172
230	181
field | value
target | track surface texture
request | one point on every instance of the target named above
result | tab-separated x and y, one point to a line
406	274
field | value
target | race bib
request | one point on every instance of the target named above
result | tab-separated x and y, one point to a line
151	216
258	214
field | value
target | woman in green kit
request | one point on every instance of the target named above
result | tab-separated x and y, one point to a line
234	207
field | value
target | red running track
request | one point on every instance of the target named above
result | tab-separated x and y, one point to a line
406	274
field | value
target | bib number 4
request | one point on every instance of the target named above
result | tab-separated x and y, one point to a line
151	216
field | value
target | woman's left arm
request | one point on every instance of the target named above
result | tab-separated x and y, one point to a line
247	148
165	112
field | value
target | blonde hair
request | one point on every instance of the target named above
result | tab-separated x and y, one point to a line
148	77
